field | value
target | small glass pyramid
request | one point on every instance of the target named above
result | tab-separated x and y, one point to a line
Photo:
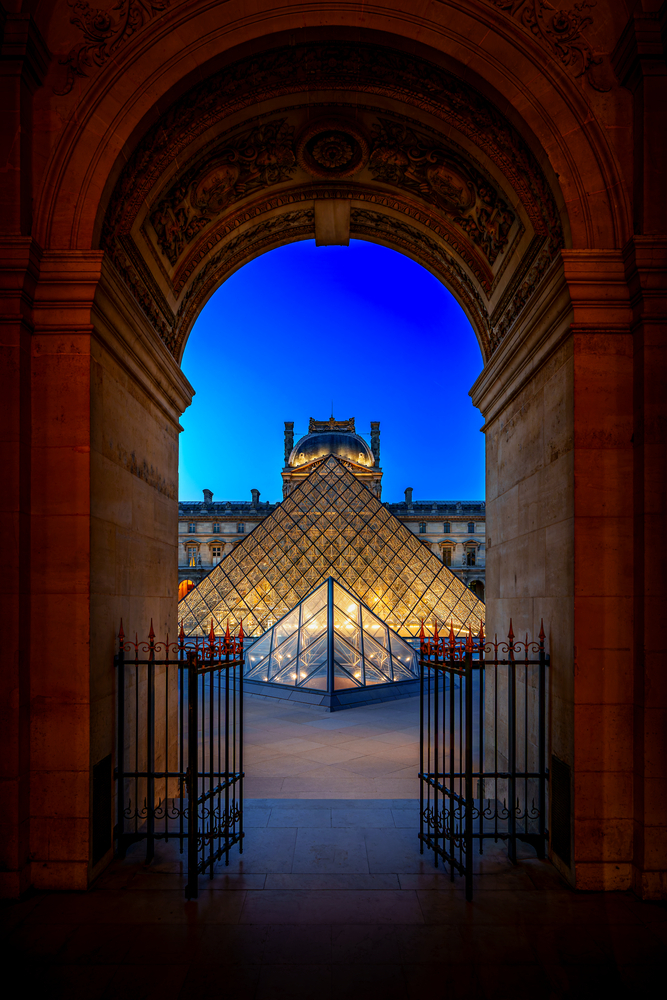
333	644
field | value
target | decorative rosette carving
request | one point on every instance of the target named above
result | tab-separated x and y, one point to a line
332	148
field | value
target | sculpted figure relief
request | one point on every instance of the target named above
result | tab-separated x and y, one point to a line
404	158
253	159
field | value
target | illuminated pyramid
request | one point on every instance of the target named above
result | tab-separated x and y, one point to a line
330	525
331	650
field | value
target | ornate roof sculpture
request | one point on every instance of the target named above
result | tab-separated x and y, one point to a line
331	524
331	650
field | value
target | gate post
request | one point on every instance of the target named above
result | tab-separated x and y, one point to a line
468	775
192	775
511	747
120	749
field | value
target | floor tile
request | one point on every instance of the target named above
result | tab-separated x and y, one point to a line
332	880
331	907
298	944
367	817
322	850
301	816
295	982
266	849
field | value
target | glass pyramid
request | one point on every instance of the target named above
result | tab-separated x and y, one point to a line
330	642
330	525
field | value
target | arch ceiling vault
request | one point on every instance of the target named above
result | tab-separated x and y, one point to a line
427	165
516	149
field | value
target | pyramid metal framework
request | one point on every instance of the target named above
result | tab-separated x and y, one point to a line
330	642
330	525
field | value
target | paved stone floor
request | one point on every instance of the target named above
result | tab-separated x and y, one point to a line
293	751
331	899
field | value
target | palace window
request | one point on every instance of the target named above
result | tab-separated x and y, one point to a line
447	527
192	527
471	527
216	527
471	557
447	556
240	528
192	555
216	553
422	527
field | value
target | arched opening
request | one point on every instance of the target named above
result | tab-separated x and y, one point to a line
204	143
184	587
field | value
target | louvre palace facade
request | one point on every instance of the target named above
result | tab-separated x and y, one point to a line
454	530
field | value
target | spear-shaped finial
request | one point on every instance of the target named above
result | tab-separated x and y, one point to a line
510	634
181	634
211	633
121	634
469	641
481	633
542	634
452	637
435	631
151	634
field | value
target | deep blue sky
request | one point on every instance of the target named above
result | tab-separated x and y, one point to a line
362	325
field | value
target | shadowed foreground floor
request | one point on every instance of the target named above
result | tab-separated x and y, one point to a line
331	898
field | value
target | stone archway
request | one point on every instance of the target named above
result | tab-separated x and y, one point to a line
171	147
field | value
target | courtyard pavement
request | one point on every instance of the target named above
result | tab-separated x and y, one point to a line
293	751
331	898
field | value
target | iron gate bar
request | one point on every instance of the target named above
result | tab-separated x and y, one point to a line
205	772
450	819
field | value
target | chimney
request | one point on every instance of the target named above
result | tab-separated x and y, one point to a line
208	498
289	439
408	496
375	441
255	498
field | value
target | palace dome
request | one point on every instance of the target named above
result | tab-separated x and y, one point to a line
347	446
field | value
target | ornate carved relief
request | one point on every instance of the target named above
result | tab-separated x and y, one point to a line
253	159
104	31
468	213
332	148
561	31
403	157
337	67
396	203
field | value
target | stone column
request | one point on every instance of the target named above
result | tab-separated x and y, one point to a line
23	61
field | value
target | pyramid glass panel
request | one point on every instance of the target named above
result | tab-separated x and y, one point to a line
318	646
336	528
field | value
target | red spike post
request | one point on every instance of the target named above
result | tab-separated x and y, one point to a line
181	634
510	634
542	633
452	637
121	634
151	634
469	641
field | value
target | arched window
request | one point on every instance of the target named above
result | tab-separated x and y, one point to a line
422	527
184	587
216	527
471	527
192	527
447	527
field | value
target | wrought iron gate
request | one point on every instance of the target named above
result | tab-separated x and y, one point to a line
483	773
180	747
